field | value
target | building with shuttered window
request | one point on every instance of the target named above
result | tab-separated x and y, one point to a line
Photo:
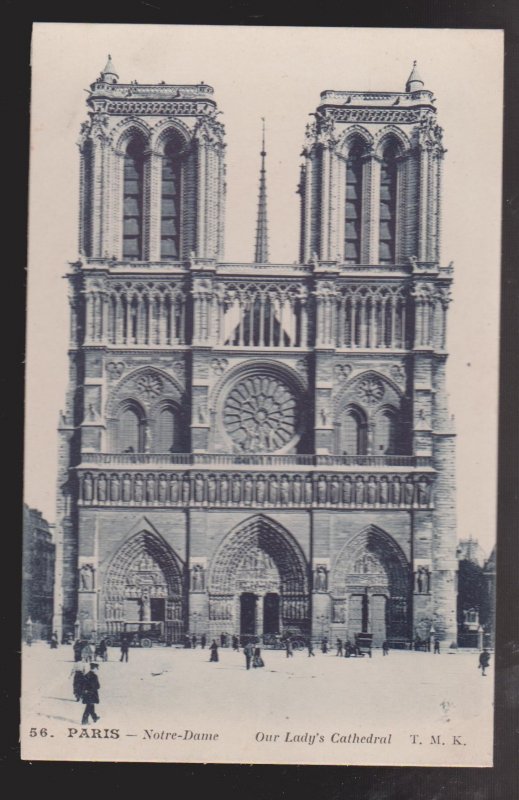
258	448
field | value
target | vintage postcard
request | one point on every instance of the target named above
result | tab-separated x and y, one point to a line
261	411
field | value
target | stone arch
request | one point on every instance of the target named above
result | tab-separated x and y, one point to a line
372	575
388	133
145	392
392	394
355	133
278	567
143	576
126	130
166	129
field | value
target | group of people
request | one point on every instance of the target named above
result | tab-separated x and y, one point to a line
85	650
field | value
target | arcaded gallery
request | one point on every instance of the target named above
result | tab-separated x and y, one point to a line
257	448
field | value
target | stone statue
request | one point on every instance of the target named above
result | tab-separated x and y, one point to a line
224	490
320	579
323	416
145	604
196	580
296	490
199	488
260	490
383	491
346	491
211	490
236	489
127	488
321	490
185	490
87	487
114	488
284	491
273	489
247	490
150	489
397	491
163	488
86	578
422	492
409	491
359	491
334	490
101	488
309	491
138	489
173	489
372	490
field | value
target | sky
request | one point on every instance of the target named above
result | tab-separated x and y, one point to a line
277	73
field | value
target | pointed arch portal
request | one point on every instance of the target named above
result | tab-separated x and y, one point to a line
371	579
144	583
258	583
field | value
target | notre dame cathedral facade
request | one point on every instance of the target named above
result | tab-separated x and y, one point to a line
258	448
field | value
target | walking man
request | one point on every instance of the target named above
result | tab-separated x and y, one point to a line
193	641
248	651
339	647
385	648
436	646
310	648
203	641
288	647
90	694
484	661
214	651
125	646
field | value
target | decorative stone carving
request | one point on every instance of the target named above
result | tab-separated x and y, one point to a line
342	372
86	578
370	390
115	369
321	579
219	365
149	385
260	415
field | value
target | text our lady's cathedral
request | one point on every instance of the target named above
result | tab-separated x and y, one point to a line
257	448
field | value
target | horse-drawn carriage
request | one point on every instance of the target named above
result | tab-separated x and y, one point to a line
362	646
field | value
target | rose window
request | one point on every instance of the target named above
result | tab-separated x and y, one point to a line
370	390
260	415
149	386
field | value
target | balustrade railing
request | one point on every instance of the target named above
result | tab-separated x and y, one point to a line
254	459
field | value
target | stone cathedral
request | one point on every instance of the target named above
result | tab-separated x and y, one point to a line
258	448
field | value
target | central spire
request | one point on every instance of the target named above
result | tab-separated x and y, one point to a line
262	251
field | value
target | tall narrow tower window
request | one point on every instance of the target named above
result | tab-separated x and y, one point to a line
353	222
170	204
132	214
388	184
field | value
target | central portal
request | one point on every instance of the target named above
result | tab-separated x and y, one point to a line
248	614
258	582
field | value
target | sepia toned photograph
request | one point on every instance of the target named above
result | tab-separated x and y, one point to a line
262	395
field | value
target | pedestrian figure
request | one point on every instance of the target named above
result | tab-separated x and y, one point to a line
310	648
90	693
223	640
437	646
288	647
347	649
385	648
125	647
484	661
193	641
235	643
257	660
77	682
339	647
203	641
248	653
102	650
54	641
214	651
87	653
77	648
324	645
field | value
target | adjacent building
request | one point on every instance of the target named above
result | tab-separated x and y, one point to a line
258	448
38	574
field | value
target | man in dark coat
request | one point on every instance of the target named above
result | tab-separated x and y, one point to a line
77	647
248	651
125	646
385	648
214	651
484	661
437	646
90	693
203	640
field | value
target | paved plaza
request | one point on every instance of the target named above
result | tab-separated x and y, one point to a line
222	712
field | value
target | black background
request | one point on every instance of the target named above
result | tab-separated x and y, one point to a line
241	781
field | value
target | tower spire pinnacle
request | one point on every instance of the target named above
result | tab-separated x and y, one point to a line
262	254
414	82
109	74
